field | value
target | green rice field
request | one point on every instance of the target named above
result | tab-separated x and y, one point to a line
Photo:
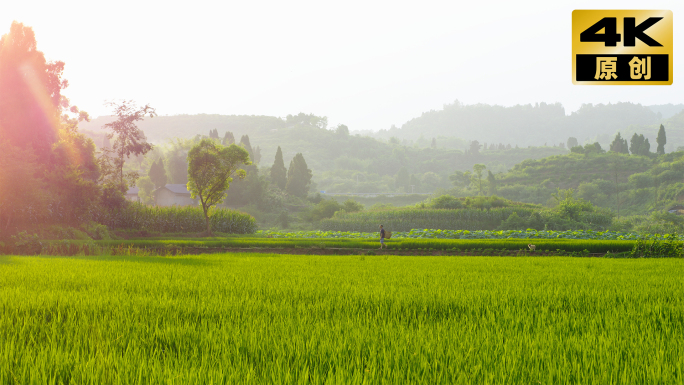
293	319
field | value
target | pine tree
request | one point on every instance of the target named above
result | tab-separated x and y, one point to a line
572	142
434	143
213	134
619	145
661	140
278	170
244	142
298	177
228	138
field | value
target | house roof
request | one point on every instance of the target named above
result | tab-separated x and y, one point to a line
177	188
133	191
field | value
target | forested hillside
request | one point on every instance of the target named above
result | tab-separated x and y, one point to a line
630	184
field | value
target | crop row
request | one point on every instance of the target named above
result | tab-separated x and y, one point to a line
407	219
467	234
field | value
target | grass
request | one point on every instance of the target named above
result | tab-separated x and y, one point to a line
260	318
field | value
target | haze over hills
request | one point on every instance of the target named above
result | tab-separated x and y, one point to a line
521	125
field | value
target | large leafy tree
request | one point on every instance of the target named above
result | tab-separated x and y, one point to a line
211	168
128	140
278	170
298	177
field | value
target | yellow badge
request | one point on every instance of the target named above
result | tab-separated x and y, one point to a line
621	47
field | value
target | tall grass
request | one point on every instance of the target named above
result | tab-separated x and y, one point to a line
176	219
260	319
407	219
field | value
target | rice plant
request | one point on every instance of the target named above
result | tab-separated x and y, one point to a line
267	319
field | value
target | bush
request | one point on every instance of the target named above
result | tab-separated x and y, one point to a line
96	231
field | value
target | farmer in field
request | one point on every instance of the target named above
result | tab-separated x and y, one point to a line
382	237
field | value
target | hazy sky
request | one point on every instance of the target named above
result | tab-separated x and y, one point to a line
365	64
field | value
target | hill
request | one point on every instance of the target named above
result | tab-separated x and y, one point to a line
533	125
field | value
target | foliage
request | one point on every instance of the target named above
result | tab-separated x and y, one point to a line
211	168
326	208
21	188
352	206
671	246
146	191
639	145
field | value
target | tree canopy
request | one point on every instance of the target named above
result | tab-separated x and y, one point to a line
211	168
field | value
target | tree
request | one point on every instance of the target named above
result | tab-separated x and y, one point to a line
128	138
278	170
661	140
478	169
475	147
639	145
213	134
491	182
342	130
157	173
572	142
228	138
298	177
211	168
433	144
619	145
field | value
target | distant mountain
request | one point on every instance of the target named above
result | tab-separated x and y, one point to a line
527	125
667	111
